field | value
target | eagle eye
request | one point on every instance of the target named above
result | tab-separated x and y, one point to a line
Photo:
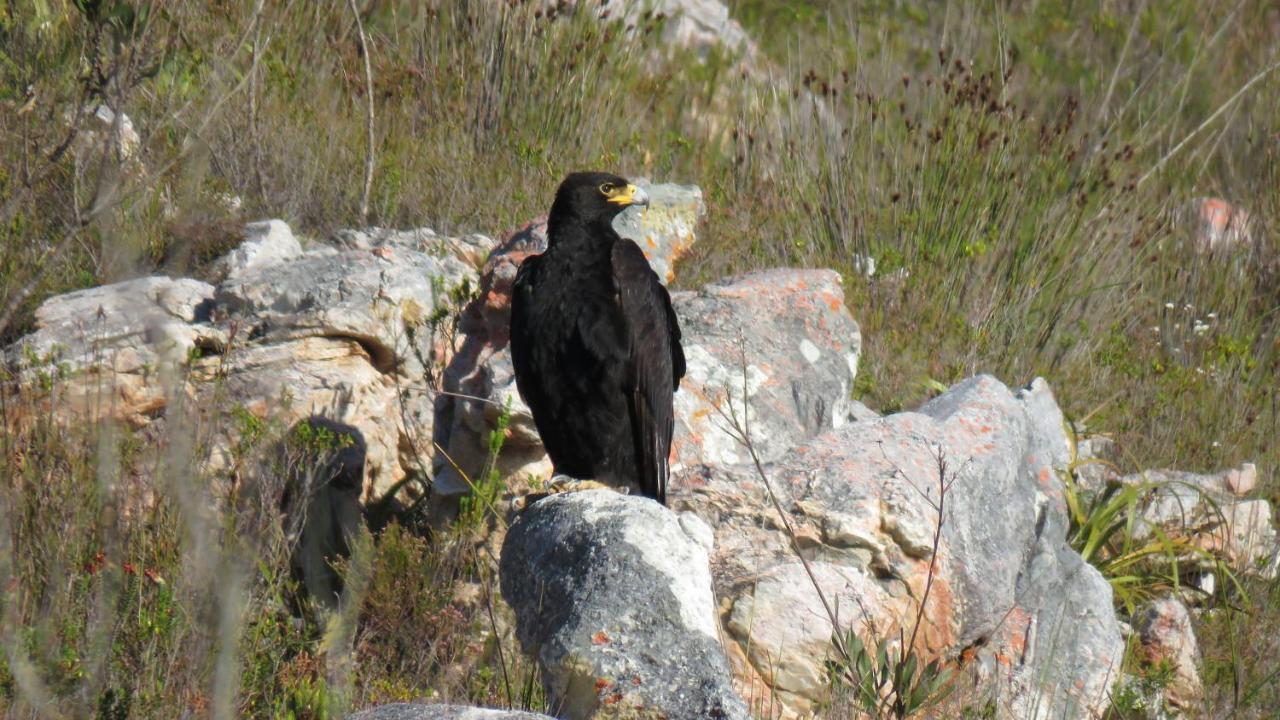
606	189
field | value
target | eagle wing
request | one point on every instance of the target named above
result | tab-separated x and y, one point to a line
654	367
529	379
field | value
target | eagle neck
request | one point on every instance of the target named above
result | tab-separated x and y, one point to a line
581	237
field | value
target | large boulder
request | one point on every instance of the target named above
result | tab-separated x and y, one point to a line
613	595
968	488
106	351
331	331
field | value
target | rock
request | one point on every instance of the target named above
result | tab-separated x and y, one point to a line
1094	467
109	347
1207	510
699	25
1241	481
323	463
786	339
99	127
613	595
1164	629
417	711
362	295
1218	226
266	243
473	249
344	335
481	377
665	230
864	497
702	26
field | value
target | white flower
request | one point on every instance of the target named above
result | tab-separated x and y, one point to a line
1217	444
1212	316
1188	308
1155	329
1168	306
1200	328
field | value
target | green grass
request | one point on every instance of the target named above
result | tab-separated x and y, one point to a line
1010	166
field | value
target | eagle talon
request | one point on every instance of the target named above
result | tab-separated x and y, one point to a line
564	484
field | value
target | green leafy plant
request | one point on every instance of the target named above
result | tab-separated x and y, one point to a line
885	680
1104	530
489	485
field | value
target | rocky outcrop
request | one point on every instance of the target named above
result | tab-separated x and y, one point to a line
416	711
288	334
865	501
103	351
613	595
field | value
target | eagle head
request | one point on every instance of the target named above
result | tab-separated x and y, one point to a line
591	197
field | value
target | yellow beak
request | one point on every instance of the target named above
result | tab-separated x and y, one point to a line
629	195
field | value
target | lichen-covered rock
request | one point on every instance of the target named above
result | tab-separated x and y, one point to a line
1165	631
864	501
418	711
613	595
666	229
785	341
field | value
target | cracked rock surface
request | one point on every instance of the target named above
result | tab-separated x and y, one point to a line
864	500
613	595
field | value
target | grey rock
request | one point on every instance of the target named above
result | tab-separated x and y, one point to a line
863	501
774	352
288	335
613	595
132	335
366	296
471	249
418	711
266	243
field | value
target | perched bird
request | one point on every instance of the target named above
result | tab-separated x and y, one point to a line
595	343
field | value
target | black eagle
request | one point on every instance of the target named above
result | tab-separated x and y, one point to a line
595	343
